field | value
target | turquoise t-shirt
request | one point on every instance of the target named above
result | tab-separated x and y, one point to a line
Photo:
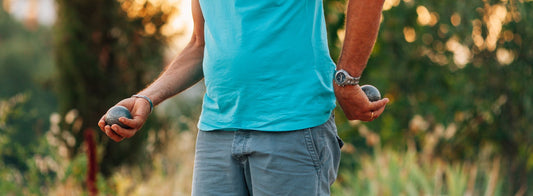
266	65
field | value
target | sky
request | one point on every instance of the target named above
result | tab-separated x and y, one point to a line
45	13
44	10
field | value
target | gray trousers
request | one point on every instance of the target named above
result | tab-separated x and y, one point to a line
247	162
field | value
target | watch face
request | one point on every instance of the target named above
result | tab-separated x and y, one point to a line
340	77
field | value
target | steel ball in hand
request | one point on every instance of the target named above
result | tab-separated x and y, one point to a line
371	92
114	113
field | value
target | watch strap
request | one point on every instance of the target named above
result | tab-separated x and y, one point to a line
349	80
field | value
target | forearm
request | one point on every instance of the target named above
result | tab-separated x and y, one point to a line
362	25
183	72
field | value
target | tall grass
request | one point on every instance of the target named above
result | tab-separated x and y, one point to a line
382	172
170	172
385	172
390	172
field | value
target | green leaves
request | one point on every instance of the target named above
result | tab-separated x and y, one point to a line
465	64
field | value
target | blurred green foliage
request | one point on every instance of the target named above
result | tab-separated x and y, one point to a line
105	53
392	173
25	162
458	76
26	101
27	68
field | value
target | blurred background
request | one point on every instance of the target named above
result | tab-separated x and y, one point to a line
457	73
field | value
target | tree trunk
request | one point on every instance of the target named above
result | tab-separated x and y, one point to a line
103	56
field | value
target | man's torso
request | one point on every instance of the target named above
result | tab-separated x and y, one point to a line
266	65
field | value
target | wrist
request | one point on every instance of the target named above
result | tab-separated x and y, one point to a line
355	68
147	99
339	90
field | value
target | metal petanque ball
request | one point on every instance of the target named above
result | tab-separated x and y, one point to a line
114	113
371	92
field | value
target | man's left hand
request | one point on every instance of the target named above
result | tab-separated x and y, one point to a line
356	105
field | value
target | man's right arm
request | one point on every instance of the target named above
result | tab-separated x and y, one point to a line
184	71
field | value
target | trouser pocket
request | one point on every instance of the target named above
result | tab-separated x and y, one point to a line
339	140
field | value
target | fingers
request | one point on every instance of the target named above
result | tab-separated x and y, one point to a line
376	105
111	131
368	116
134	123
112	134
108	131
138	111
377	108
132	126
373	115
101	123
123	132
116	132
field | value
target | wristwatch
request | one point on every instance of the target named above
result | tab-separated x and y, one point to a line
342	78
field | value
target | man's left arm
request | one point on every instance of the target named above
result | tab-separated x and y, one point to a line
362	25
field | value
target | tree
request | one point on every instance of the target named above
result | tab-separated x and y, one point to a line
105	51
461	70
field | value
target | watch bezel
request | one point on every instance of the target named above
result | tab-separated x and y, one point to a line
347	78
344	78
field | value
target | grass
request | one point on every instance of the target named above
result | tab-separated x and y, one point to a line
390	172
385	172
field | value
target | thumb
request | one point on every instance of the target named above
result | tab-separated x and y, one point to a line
135	123
376	105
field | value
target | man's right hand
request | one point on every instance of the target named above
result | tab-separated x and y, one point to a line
184	71
139	109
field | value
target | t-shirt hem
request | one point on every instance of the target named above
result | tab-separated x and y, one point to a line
280	128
